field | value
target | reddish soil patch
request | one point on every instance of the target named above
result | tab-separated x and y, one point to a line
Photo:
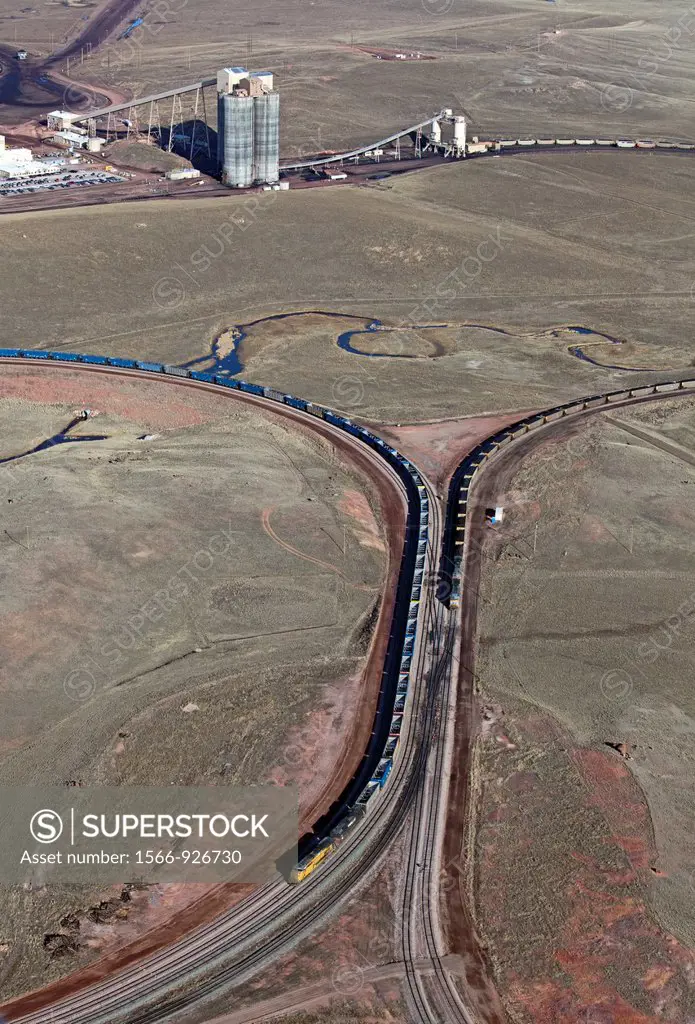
158	905
321	752
356	506
605	958
136	400
594	530
438	448
214	901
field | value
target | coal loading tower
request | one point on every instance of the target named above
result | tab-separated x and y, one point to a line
248	128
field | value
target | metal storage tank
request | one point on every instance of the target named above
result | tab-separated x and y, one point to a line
266	137
235	139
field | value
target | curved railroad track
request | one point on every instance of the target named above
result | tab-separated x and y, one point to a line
295	909
234	947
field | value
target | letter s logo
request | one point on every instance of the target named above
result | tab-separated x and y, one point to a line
46	826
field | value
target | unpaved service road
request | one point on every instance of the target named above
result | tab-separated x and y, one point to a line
586	611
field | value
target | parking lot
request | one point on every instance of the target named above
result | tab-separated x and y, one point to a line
57	179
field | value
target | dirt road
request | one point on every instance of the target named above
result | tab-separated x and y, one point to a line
33	87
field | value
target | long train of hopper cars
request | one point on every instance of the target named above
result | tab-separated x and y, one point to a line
377	762
480	148
451	563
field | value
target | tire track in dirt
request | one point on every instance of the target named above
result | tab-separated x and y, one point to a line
265	519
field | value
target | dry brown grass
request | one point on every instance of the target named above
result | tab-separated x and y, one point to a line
587	642
96	667
565	242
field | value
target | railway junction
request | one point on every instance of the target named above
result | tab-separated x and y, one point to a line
411	788
430	659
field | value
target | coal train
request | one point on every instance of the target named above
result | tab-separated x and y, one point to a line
378	761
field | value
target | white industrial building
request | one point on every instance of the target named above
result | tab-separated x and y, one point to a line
182	173
227	78
257	83
18	163
69	138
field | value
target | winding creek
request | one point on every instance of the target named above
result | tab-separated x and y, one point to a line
230	363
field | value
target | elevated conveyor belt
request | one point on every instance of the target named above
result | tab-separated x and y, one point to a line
204	83
336	157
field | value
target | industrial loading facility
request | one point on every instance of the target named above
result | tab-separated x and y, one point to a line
18	163
248	128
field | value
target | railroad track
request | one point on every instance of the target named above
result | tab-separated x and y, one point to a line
234	947
525	147
287	913
420	906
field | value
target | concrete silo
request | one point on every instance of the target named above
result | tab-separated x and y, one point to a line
460	136
248	127
266	138
235	139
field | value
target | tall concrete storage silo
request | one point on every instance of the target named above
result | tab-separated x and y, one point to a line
235	135
266	138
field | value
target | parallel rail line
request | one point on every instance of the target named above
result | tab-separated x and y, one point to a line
232	948
94	1007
